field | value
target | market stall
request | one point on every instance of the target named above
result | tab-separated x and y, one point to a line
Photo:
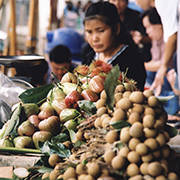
91	125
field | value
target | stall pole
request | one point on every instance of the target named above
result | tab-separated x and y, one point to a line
32	26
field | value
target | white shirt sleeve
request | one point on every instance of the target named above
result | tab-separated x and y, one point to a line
168	11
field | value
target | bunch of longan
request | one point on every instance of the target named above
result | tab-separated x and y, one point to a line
145	152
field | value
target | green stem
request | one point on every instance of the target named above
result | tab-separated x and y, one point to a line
14	150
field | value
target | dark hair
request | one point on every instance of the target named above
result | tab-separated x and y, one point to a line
153	16
108	14
60	54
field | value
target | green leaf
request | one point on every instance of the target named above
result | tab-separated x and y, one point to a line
62	137
120	124
78	144
87	106
44	169
59	148
35	95
72	135
110	85
13	122
172	131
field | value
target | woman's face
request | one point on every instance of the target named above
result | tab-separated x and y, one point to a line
98	35
154	31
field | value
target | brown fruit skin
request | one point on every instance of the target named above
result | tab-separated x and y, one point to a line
93	169
53	160
26	128
80	169
51	124
154	169
108	156
124	104
45	175
153	101
69	173
172	176
136	130
54	174
137	97
132	170
118	162
111	136
41	136
133	157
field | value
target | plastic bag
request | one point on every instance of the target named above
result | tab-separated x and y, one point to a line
9	90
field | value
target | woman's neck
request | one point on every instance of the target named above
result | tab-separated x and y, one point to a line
105	56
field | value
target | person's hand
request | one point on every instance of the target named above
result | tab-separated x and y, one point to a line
159	80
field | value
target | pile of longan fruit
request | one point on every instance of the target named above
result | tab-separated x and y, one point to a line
144	152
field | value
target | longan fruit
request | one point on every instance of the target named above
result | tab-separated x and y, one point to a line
165	150
132	170
88	177
133	143
133	157
100	103
144	168
139	108
149	110
82	177
141	149
79	135
136	130
153	101
154	168
53	160
98	122
103	95
151	143
124	135
109	155
118	162
161	139
159	124
123	151
117	97
161	177
134	117
119	88
124	104
137	177
137	97
148	177
172	176
106	121
54	174
157	154
150	133
147	93
45	175
93	169
111	136
69	173
147	158
126	94
101	111
80	169
119	114
148	121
